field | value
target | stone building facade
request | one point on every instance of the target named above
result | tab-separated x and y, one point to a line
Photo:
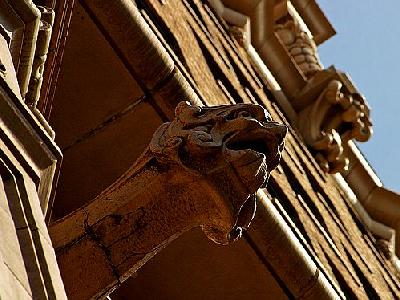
129	127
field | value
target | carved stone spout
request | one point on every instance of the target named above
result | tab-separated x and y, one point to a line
201	169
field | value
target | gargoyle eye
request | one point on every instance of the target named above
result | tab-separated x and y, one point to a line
243	114
238	114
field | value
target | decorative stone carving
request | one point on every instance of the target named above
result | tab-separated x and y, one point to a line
238	23
201	169
21	19
300	45
338	114
42	47
330	109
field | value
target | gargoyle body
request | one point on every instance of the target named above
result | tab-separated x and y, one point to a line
201	169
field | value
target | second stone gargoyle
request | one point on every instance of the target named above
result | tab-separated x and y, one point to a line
201	169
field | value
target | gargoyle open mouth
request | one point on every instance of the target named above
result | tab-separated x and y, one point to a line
249	141
251	146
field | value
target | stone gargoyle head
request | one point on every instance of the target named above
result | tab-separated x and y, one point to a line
234	148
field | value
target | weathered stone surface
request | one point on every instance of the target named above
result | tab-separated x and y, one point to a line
202	169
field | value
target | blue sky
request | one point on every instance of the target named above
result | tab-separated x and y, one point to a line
367	46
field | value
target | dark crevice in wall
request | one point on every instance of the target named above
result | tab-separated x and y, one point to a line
327	201
242	79
307	152
209	36
357	221
220	24
196	14
318	188
275	192
224	30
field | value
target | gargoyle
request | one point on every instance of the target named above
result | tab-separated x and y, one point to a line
201	169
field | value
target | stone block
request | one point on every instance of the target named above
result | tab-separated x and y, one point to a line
10	286
10	249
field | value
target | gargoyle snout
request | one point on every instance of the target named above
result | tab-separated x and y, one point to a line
278	130
257	112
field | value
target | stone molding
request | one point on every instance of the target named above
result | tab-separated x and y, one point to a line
139	47
29	162
202	169
34	146
379	202
315	19
261	16
255	21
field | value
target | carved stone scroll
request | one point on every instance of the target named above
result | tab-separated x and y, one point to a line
337	114
201	169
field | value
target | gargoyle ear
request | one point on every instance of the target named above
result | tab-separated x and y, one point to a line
157	143
181	107
185	111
